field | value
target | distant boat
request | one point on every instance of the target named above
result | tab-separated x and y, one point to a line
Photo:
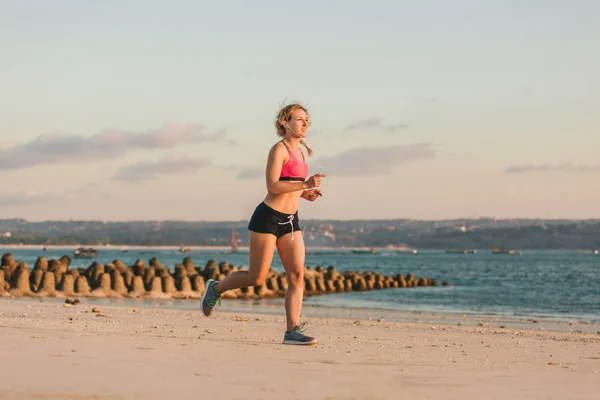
408	251
503	251
363	251
461	251
184	249
400	251
82	252
590	252
387	251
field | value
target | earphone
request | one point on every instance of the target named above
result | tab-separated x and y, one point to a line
290	128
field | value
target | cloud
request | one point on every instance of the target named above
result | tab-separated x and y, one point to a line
363	124
565	167
27	198
375	123
150	170
222	136
373	160
251	173
314	132
361	161
245	171
395	128
107	144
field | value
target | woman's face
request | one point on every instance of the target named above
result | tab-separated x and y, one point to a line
298	123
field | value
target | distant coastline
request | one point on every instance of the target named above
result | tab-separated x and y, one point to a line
393	235
171	247
244	249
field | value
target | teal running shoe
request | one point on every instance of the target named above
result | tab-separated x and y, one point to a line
210	298
297	337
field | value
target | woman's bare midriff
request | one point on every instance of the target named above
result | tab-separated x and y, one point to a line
286	203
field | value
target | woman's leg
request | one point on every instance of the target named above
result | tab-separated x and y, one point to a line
262	248
292	256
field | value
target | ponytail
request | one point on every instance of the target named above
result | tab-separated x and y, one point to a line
308	149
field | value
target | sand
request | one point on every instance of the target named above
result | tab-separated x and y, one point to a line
51	350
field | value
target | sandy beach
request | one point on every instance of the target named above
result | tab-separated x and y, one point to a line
53	350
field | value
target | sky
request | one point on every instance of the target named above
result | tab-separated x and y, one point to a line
429	109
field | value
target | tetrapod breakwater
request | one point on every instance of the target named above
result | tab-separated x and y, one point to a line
54	278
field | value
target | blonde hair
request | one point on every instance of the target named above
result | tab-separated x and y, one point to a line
285	115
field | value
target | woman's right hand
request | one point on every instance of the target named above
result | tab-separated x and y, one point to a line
315	180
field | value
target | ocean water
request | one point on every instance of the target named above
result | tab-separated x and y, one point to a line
556	285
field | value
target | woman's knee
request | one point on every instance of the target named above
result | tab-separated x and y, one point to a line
295	278
256	280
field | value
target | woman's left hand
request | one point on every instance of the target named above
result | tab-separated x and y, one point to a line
312	194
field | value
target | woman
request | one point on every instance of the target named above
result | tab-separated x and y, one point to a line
275	223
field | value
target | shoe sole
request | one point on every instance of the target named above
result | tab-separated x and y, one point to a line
292	342
204	296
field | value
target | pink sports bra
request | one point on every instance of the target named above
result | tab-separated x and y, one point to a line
294	169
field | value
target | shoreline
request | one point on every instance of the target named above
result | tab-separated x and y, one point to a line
447	314
275	307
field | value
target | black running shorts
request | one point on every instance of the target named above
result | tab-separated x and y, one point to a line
267	220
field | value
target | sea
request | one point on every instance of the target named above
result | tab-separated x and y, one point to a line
560	285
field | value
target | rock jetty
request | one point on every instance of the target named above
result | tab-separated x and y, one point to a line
53	278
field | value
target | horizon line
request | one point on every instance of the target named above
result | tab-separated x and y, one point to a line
315	219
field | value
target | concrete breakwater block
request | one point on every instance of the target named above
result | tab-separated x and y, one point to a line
188	264
103	287
82	286
137	288
48	286
67	285
9	265
118	283
20	282
138	268
52	278
198	284
41	264
35	279
4	286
